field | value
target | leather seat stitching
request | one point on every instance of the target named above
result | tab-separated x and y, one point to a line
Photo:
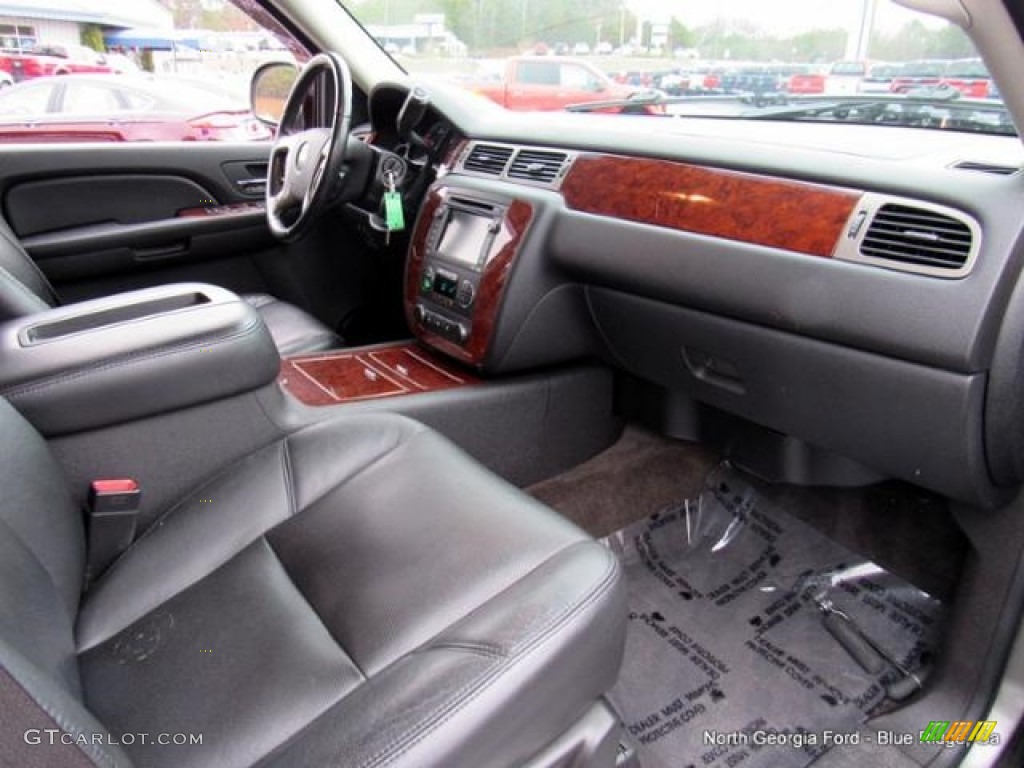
289	478
262	534
65	724
394	749
26	389
24	289
481	649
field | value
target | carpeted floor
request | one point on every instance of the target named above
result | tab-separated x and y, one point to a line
906	530
727	633
637	476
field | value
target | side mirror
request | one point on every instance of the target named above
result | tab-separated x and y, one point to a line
269	89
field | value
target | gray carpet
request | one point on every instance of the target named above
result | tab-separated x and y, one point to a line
906	530
638	475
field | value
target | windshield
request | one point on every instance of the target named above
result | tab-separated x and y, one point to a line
684	59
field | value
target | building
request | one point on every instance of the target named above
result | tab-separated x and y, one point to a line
427	34
25	22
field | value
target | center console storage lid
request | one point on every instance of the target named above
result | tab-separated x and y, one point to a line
131	355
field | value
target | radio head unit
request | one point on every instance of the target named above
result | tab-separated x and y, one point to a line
459	244
463	232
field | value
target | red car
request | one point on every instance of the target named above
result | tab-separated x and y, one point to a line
969	76
50	59
915	74
807	81
123	108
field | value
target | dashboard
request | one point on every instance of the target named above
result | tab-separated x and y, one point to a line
864	302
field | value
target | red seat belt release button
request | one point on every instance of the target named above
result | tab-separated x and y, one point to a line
112	510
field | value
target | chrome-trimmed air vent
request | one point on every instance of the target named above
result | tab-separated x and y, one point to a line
910	235
487	159
991	168
537	166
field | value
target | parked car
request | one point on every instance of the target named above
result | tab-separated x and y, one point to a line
879	78
531	83
969	76
47	59
809	80
581	49
845	76
123	108
914	74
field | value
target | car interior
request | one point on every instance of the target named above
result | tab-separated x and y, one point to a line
433	434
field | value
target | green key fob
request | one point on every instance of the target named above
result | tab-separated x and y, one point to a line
394	216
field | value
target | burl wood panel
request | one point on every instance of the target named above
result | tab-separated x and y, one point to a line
350	376
492	281
796	216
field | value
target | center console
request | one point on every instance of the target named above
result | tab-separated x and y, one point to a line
463	249
133	355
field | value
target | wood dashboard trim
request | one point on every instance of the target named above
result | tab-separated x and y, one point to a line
792	215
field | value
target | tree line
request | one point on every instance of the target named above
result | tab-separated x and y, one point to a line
502	27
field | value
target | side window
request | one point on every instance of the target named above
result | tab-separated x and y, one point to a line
31	99
86	98
538	72
576	77
188	64
15	37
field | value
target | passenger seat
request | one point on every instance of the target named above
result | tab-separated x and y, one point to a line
358	593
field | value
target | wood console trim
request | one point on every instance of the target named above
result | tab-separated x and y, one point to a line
778	213
347	376
492	281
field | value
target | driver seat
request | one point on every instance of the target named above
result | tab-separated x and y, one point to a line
24	290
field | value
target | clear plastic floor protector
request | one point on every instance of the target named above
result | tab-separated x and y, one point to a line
728	651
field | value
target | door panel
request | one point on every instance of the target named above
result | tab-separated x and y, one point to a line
35	207
100	219
98	214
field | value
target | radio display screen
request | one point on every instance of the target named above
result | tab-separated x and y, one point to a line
445	285
463	238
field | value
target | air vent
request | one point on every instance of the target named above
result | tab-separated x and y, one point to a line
488	159
918	236
998	170
539	166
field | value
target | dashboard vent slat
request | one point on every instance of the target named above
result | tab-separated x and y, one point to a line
536	165
918	236
489	159
998	170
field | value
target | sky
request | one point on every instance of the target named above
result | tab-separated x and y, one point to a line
782	16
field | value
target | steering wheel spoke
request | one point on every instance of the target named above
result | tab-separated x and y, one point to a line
305	157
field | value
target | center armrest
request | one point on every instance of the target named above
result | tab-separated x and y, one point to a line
131	355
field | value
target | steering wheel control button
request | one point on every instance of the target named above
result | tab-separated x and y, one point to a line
465	295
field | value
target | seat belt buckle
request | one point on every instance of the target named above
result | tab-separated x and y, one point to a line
112	510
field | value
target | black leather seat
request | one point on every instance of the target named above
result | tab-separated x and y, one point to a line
359	593
25	290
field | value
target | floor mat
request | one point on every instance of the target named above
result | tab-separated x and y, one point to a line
755	640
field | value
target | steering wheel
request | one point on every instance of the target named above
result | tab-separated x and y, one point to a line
306	171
